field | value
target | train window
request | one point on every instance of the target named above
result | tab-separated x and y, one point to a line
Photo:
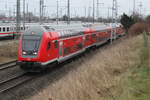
21	28
61	34
48	45
87	37
100	39
3	29
93	35
66	51
56	44
79	46
0	29
15	28
8	29
75	47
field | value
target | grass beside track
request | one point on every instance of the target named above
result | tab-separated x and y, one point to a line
99	75
136	84
8	51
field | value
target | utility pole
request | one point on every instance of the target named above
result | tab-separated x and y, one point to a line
9	14
140	8
93	11
44	11
41	11
57	19
97	8
68	20
18	17
114	11
85	11
134	4
23	13
27	12
89	11
114	19
6	9
108	15
14	12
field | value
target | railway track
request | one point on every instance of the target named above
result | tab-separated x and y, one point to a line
8	65
13	82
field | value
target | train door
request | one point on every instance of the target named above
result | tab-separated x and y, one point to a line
60	49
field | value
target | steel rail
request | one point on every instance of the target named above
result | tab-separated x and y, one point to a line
8	65
11	83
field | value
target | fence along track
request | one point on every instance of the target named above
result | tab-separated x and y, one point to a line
8	65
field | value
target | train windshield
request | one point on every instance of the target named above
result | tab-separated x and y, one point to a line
31	43
31	40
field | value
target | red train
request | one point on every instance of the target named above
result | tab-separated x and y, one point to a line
43	45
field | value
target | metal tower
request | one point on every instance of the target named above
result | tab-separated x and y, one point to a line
140	8
98	8
114	11
114	19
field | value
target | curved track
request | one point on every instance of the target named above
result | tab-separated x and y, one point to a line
8	65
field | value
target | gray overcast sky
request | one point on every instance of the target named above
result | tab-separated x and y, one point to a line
78	7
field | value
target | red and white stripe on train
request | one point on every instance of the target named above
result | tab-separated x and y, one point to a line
9	31
42	45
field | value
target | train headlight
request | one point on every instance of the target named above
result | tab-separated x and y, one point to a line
35	53
24	53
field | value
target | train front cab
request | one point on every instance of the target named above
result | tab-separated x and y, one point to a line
35	49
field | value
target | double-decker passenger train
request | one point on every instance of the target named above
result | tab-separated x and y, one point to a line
9	30
41	46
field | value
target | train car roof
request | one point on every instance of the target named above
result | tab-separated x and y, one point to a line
34	30
66	30
6	24
99	27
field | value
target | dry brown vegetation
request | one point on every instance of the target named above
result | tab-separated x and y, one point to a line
97	77
138	28
8	51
